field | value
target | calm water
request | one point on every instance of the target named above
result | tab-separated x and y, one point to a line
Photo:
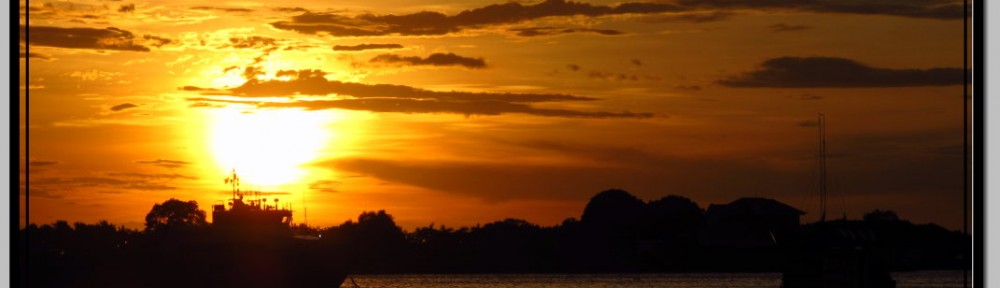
922	279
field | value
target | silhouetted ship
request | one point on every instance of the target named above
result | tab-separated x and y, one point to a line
255	247
251	220
835	254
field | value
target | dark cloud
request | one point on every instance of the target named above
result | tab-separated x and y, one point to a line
34	55
252	72
73	11
156	41
804	72
328	186
127	8
694	17
152	176
299	47
42	163
110	38
636	62
810	97
620	76
205	105
300	73
613	76
211	102
552	31
395	98
361	47
312	82
935	9
165	163
468	108
573	67
199	89
782	27
436	59
290	9
224	9
123	106
434	23
252	42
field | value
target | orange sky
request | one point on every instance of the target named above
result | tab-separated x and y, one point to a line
465	112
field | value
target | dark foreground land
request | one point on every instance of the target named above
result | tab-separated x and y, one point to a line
616	233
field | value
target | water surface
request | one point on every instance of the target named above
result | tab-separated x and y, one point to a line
920	279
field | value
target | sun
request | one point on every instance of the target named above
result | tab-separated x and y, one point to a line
268	147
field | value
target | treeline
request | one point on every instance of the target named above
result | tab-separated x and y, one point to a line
616	232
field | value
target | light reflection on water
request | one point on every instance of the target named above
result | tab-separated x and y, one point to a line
921	279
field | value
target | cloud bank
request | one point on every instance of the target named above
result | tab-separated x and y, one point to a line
312	82
468	108
436	59
436	23
553	31
123	106
832	72
110	38
361	47
394	98
934	9
165	163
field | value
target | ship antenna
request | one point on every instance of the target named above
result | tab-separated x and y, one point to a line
822	167
235	181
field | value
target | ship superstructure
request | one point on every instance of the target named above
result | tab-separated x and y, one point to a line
248	213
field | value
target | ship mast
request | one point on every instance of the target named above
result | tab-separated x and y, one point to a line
235	181
822	167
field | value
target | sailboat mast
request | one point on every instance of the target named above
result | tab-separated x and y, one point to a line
822	167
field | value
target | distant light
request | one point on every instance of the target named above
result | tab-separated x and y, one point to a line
320	235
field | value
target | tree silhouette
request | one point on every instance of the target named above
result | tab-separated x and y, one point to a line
674	219
618	232
614	208
887	216
379	225
174	214
610	223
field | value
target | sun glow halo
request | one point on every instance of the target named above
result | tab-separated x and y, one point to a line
268	147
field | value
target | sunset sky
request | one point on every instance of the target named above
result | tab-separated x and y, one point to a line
463	112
